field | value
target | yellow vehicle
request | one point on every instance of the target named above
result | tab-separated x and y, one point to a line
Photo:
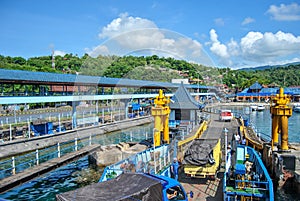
202	159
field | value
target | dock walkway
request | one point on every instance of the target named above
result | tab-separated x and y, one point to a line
28	174
210	189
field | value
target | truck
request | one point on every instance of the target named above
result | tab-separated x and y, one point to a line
202	158
225	115
129	186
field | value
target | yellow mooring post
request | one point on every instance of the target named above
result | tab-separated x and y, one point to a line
161	112
280	112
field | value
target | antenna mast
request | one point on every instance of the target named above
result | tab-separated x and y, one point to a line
53	59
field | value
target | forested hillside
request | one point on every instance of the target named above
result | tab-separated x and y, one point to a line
154	68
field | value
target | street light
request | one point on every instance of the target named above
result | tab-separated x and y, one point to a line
154	130
226	144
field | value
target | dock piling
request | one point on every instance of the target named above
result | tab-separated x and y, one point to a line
37	157
58	150
13	165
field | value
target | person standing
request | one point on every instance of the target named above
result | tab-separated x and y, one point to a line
174	168
244	141
237	138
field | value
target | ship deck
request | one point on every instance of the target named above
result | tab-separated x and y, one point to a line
210	189
203	189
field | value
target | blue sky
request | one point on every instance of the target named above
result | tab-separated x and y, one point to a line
228	33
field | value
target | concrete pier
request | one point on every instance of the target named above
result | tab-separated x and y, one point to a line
286	169
25	145
108	155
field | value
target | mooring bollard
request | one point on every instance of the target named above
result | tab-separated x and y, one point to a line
90	140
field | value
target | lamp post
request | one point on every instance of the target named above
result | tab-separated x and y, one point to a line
198	83
154	131
226	144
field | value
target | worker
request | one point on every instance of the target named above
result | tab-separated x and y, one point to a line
228	151
237	138
171	194
175	193
243	141
174	168
248	164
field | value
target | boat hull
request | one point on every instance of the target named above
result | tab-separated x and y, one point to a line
296	109
242	182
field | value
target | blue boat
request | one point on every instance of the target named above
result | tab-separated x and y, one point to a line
246	177
296	108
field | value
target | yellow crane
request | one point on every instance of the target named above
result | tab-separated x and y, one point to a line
280	112
161	112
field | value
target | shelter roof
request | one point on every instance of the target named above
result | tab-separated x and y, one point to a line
255	86
183	100
30	77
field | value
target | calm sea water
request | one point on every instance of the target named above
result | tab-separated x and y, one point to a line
65	178
262	121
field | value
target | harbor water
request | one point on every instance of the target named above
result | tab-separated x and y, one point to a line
261	121
66	178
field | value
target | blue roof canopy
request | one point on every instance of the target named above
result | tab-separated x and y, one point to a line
255	86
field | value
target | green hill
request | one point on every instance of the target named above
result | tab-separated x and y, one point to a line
156	69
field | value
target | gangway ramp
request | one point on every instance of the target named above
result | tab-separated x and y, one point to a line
30	173
215	128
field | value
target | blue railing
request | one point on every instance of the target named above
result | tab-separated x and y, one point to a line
153	160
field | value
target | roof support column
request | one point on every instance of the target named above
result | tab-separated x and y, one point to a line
126	104
74	114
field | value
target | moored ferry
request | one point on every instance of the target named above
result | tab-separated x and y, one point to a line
246	177
260	108
296	108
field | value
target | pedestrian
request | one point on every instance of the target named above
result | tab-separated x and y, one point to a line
174	168
237	138
228	148
243	141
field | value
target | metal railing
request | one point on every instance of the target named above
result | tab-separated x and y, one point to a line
153	160
17	164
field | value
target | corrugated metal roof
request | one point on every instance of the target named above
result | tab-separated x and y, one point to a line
256	85
270	91
19	75
72	79
56	78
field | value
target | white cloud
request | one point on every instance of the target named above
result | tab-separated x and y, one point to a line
248	20
257	48
267	46
127	34
59	53
233	48
284	12
98	50
219	22
216	47
123	24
